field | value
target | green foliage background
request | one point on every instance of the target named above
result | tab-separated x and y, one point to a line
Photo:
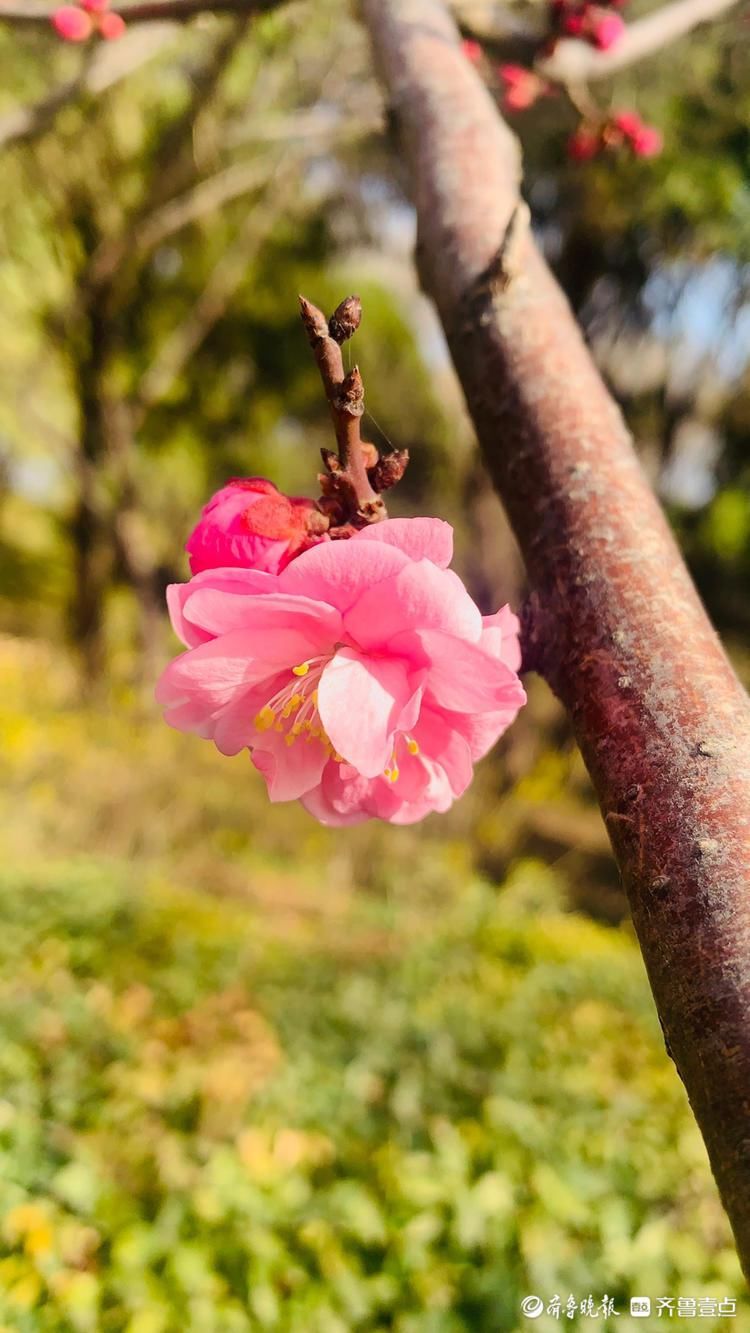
255	1075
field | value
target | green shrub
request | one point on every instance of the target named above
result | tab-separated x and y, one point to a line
343	1115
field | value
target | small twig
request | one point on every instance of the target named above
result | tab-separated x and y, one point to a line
355	475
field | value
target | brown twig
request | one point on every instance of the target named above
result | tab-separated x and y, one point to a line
613	622
355	475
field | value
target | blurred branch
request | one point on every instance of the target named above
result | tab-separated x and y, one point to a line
177	349
573	61
104	67
167	170
202	200
613	621
35	16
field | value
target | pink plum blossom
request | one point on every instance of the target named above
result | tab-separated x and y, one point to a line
251	524
472	50
72	23
76	23
648	142
644	140
111	27
583	144
362	678
606	29
522	87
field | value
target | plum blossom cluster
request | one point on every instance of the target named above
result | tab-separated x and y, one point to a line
522	87
76	23
600	25
622	129
359	673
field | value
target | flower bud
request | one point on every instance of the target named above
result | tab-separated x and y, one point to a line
111	26
583	144
251	524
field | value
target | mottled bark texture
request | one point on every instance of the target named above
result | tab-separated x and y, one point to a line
613	623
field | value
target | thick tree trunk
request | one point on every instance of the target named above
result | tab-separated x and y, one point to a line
614	623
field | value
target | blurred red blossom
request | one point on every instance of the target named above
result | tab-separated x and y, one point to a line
76	23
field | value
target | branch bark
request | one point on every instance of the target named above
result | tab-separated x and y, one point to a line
613	622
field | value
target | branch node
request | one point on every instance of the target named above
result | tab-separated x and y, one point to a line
350	398
330	461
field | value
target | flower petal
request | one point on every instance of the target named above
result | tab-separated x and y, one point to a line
461	676
289	770
287	628
419	596
443	744
500	636
234	728
419	538
340	572
336	803
221	580
360	700
209	677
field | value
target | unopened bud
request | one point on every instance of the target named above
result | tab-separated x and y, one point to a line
345	319
389	470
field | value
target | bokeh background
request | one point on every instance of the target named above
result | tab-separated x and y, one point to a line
254	1074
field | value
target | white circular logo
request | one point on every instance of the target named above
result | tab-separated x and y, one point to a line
532	1306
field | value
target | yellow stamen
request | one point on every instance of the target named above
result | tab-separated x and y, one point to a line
412	746
265	719
302	669
290	738
393	775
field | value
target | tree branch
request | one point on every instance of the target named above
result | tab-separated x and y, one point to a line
34	16
106	66
613	621
574	61
177	349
